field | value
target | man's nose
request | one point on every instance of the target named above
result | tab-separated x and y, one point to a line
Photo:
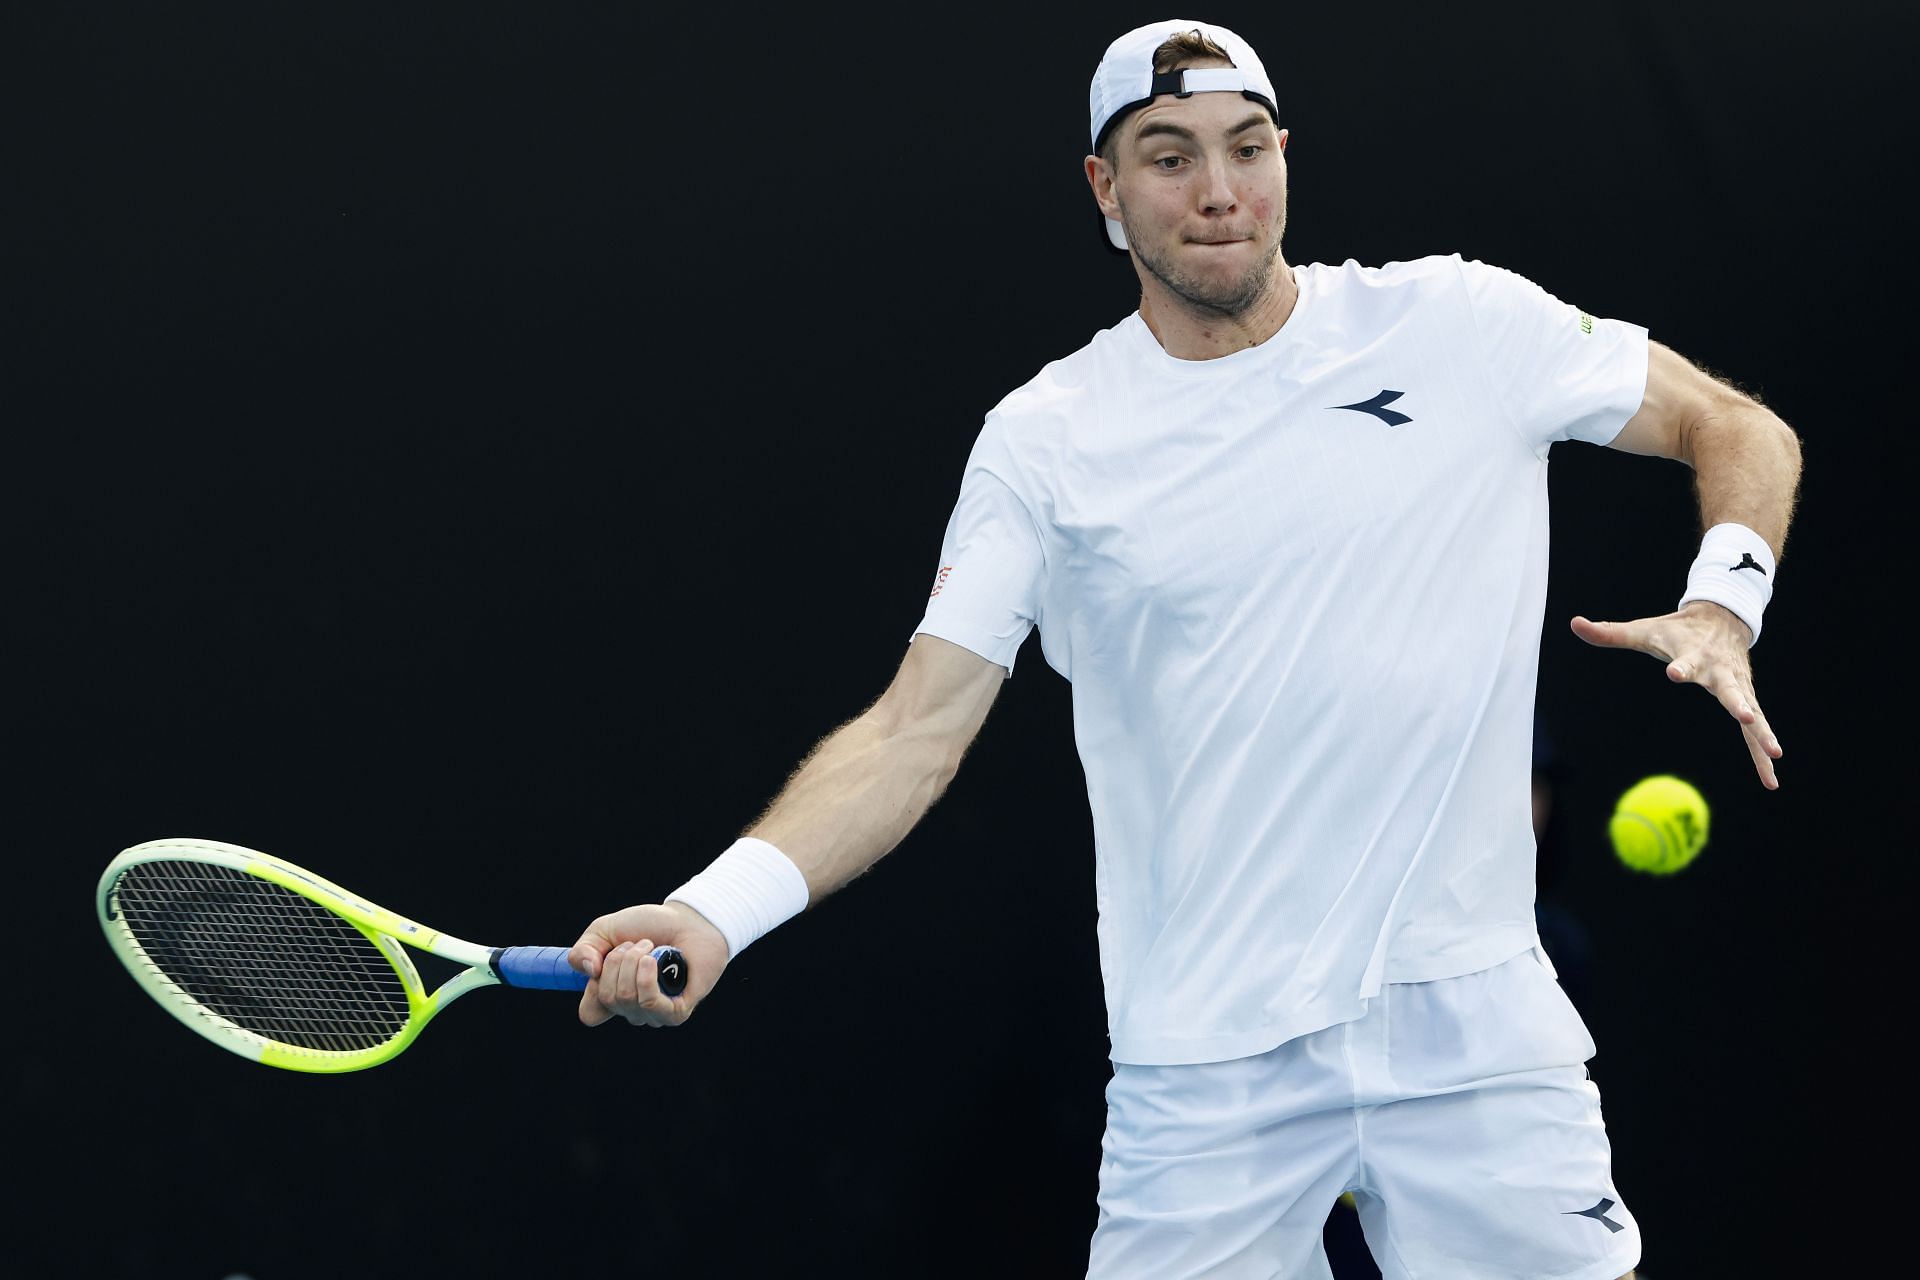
1216	190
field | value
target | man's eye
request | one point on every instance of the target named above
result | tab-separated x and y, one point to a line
1170	162
1250	151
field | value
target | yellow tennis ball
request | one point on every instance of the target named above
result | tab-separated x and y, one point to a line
1659	824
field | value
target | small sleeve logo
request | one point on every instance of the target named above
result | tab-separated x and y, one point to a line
1586	323
940	580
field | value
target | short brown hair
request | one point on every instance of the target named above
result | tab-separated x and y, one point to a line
1186	48
1176	52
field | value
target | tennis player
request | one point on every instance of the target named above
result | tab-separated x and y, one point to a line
1285	530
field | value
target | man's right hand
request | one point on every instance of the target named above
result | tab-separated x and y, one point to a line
623	978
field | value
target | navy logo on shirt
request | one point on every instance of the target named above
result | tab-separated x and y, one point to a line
1378	408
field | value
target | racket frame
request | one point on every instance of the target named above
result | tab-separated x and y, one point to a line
391	933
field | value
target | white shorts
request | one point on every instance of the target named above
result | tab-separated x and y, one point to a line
1458	1112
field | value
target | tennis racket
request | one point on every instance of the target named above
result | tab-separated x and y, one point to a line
288	969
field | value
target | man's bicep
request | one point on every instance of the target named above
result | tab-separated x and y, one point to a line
1679	393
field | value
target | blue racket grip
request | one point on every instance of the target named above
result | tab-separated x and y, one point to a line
546	969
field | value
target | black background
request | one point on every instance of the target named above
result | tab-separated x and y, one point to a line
475	450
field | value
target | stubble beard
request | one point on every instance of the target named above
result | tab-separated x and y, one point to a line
1225	298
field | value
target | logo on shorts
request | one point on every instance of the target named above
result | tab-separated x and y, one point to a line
1598	1213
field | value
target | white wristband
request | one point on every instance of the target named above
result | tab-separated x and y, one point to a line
746	892
1735	570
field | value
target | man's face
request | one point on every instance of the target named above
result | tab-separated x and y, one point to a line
1201	187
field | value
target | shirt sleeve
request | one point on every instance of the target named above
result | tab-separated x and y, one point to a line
989	583
1560	373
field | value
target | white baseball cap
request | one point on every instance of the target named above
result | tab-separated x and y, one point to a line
1125	80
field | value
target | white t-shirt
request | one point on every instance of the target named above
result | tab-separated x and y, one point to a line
1298	590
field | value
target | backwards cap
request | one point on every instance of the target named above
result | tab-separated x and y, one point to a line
1125	80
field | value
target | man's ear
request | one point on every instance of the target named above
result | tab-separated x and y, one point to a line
1100	180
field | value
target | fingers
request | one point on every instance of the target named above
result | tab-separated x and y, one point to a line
1641	634
1604	634
587	956
1701	645
616	954
1734	690
1762	745
1763	756
592	1012
1730	681
629	986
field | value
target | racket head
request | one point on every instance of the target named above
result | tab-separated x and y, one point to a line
266	959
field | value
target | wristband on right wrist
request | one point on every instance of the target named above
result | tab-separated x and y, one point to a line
1735	571
747	891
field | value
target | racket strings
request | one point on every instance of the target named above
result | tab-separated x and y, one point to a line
262	957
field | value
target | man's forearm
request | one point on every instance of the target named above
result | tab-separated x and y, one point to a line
854	798
1746	464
